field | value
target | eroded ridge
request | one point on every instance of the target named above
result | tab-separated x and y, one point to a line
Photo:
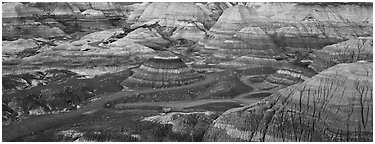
335	105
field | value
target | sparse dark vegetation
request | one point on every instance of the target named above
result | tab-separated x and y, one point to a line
57	89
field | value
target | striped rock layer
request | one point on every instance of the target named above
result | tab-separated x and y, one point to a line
18	10
330	13
315	25
121	47
358	49
134	15
13	47
66	9
162	71
18	21
147	37
237	17
244	62
270	9
111	9
335	105
189	31
308	35
93	13
289	75
352	50
252	41
241	31
171	14
230	22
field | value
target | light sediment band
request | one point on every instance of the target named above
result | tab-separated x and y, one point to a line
162	71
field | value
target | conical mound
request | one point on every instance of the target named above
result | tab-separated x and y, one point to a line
154	11
237	17
65	9
171	13
162	71
186	12
134	15
230	22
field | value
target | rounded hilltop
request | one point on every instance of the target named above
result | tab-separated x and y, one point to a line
162	71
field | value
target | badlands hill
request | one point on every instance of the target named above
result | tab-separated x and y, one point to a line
335	105
191	71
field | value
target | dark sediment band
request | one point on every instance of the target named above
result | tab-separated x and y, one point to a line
162	71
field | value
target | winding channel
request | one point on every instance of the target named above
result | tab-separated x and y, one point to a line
30	125
34	124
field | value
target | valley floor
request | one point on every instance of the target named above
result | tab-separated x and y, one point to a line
39	123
